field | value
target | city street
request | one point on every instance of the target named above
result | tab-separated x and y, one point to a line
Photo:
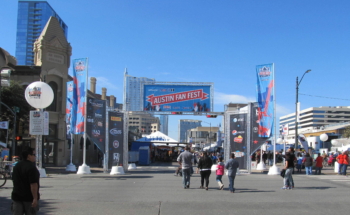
155	190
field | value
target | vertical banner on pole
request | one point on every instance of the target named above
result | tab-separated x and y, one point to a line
79	79
238	138
70	112
256	140
96	122
116	138
265	97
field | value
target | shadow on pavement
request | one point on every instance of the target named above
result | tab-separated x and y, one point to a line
315	188
117	177
45	206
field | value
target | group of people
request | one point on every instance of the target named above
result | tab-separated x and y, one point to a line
306	160
204	165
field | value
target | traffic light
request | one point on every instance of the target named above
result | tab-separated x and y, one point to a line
18	138
5	77
176	113
212	116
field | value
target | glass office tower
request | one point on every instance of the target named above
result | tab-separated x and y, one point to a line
31	19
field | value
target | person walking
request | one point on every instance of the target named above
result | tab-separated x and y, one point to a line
288	181
185	160
204	166
343	160
25	177
308	164
319	164
270	158
299	162
220	172
231	166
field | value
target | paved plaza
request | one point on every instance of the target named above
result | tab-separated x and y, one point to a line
154	190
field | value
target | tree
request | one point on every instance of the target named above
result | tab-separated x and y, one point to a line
13	96
346	133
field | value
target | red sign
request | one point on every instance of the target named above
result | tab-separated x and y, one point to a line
177	97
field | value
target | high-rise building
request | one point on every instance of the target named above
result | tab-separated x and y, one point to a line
184	126
132	92
31	19
314	118
164	121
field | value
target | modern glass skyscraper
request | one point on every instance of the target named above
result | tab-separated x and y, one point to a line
164	121
132	92
185	125
31	20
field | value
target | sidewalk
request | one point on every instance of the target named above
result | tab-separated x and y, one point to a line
62	169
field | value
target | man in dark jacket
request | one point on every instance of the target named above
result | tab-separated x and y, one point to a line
25	176
232	166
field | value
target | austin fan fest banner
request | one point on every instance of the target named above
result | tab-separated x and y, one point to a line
116	138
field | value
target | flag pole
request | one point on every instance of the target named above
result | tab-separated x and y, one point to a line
85	169
274	170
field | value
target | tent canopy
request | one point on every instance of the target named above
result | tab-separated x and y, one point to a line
157	137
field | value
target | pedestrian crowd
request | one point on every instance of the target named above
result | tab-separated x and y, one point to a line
204	163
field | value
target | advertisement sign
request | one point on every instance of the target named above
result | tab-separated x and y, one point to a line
39	123
265	99
116	138
184	98
96	122
257	141
79	79
4	125
238	138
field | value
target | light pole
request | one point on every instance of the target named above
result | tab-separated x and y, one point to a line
209	134
296	107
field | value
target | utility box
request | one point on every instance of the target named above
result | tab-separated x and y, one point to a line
144	155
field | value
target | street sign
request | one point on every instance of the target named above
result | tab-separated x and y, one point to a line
39	123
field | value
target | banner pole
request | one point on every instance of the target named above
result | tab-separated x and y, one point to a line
85	169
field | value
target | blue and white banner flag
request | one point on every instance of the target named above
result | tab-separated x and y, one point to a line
265	99
79	79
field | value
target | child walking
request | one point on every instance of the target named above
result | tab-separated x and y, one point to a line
219	172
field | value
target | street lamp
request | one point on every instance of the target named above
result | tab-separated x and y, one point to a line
296	108
209	134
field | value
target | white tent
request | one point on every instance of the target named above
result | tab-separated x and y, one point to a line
159	139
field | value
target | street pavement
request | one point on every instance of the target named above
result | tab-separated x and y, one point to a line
154	190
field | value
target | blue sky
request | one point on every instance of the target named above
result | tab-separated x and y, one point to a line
210	41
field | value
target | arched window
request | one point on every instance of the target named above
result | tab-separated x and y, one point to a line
53	105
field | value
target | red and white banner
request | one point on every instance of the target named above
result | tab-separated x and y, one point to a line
177	97
285	130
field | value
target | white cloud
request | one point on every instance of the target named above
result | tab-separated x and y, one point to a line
222	98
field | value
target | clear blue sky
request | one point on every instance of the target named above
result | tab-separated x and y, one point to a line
218	41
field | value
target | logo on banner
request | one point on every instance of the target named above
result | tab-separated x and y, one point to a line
116	156
238	139
70	87
255	142
177	97
115	131
100	124
238	120
36	114
116	144
264	71
96	133
35	92
79	66
234	132
255	129
95	104
115	118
